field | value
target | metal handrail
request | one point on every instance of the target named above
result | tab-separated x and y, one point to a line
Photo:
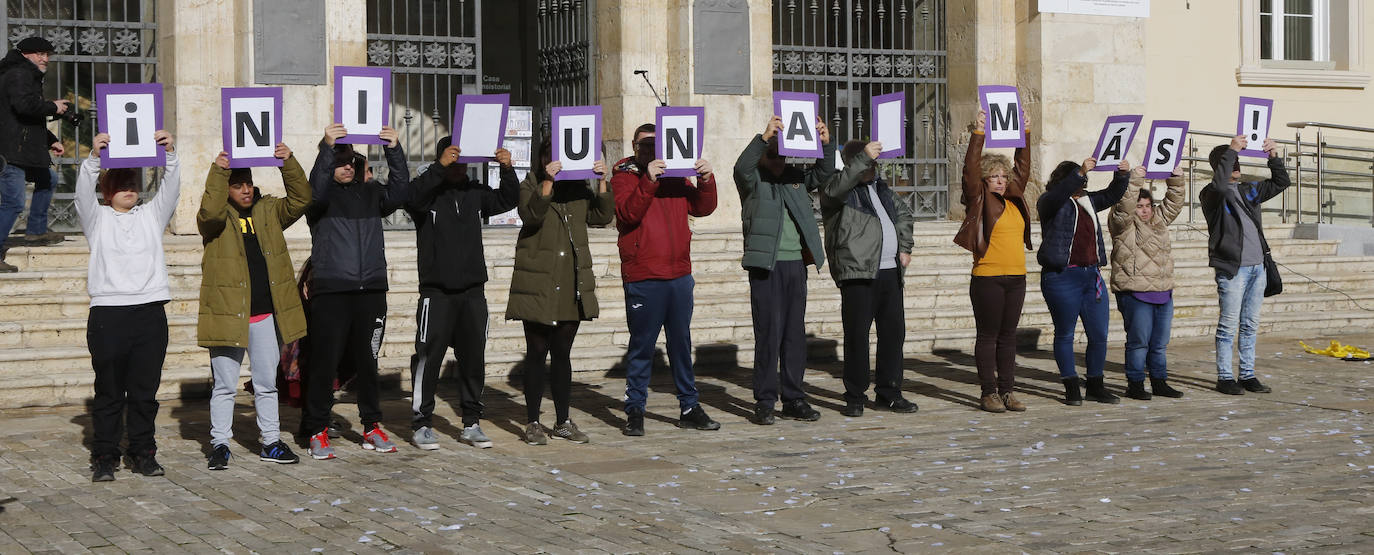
1192	159
1306	124
1320	156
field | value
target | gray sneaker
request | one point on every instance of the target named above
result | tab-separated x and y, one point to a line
319	447
472	435
377	440
534	434
424	438
567	430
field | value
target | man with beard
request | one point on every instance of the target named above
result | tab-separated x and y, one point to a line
447	208
25	140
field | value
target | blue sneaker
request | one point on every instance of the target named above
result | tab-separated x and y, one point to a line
278	453
219	458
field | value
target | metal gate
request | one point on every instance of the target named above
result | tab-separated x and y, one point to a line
93	42
434	54
848	51
565	56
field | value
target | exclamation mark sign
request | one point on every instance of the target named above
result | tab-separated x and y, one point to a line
1254	135
131	131
362	106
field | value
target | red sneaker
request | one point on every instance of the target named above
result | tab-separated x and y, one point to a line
377	440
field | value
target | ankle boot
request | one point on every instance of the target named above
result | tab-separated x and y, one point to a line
1160	386
1136	390
1098	392
1073	394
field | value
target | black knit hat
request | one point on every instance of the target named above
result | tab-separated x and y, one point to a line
34	44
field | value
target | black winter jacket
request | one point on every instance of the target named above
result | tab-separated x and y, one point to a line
1058	213
448	225
347	247
1223	206
24	113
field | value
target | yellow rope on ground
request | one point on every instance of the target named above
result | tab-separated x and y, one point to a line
1348	352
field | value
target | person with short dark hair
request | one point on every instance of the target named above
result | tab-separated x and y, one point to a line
126	330
868	241
447	208
27	142
249	303
655	243
780	239
349	283
1236	248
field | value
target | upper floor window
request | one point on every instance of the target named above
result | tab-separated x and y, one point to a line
1295	30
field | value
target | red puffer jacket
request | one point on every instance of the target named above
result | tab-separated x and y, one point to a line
655	242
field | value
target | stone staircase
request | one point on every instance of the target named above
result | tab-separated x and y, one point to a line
44	361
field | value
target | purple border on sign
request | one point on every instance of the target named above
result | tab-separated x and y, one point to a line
1020	140
558	114
460	103
815	100
900	151
227	123
102	123
353	71
1149	146
1102	138
661	147
1240	123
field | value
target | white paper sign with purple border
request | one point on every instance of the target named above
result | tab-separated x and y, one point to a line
1253	123
131	113
479	125
888	112
680	137
577	140
1003	106
362	99
252	125
1164	150
1115	141
798	137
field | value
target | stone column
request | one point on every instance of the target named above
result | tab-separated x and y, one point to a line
981	50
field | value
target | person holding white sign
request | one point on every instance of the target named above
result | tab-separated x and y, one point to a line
780	239
447	208
553	289
1245	271
651	212
868	241
245	244
126	330
349	284
1071	256
1143	279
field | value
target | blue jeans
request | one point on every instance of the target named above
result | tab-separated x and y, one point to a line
651	305
1147	336
1240	298
12	184
1073	294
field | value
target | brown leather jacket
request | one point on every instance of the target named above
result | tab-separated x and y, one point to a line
983	207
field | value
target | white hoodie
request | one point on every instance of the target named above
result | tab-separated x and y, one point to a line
127	264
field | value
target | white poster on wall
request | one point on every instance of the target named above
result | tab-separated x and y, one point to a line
1120	8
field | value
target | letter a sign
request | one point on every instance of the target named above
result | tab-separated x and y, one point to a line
252	125
130	113
362	101
1164	150
798	137
577	140
681	133
1005	114
1115	141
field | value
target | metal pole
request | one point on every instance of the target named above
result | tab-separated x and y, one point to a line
1297	171
1192	172
1321	144
1283	213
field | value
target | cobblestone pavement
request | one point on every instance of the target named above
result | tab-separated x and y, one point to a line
1286	471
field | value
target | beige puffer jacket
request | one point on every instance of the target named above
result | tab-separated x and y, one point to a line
1142	259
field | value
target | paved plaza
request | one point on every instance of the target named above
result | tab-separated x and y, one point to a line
1281	472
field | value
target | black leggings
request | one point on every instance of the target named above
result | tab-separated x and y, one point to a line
541	341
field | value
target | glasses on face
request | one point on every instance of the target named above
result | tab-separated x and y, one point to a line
995	177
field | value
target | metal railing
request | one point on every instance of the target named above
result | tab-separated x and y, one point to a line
1324	154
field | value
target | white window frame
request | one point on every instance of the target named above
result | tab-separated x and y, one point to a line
1321	31
1341	52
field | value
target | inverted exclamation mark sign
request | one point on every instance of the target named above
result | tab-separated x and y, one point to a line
131	123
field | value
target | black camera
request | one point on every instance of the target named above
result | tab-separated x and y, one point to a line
72	116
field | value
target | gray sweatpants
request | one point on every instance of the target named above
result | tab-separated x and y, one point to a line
264	351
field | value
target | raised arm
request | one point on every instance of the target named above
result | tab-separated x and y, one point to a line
1278	180
213	215
601	210
823	170
507	194
634	192
298	193
747	166
1124	209
973	172
534	203
87	207
1105	198
836	190
164	205
1058	192
398	173
1173	197
701	200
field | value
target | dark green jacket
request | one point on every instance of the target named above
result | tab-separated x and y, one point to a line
553	279
224	282
766	201
853	233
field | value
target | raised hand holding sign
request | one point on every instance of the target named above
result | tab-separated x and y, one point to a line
1164	149
1115	141
362	100
252	125
1253	122
1002	104
131	114
681	134
577	141
799	136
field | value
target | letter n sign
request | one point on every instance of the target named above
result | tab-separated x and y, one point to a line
252	125
130	113
680	136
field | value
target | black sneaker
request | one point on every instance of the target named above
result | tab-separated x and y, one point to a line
278	453
852	409
900	404
1160	387
146	465
1253	385
1229	387
335	428
798	409
1136	390
693	418
219	458
103	468
634	423
763	416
